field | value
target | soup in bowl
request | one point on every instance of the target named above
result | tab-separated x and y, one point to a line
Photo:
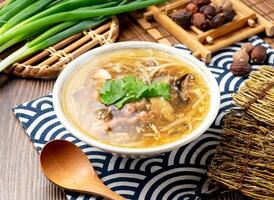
136	98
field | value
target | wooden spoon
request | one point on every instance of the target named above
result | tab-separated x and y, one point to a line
67	166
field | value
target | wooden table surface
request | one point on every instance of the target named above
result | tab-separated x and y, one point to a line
20	175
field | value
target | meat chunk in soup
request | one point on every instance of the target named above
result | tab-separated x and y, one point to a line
145	122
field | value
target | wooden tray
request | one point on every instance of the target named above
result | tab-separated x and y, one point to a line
50	62
245	24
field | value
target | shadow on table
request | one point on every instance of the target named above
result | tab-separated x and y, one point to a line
4	79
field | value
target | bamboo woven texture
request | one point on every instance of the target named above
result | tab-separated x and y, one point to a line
50	62
256	95
246	23
245	157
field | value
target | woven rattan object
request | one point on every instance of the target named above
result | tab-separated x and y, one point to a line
245	157
256	96
50	62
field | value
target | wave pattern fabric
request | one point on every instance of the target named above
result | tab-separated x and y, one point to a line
177	175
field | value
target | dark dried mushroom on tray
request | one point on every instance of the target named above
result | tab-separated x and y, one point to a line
192	8
199	20
181	17
218	20
229	15
208	10
204	14
201	2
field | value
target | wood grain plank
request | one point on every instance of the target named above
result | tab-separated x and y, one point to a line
20	174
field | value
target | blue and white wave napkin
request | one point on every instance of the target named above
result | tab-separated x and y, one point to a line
179	174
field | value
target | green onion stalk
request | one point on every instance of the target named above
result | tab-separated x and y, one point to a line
59	22
51	31
15	7
60	7
25	13
45	22
4	4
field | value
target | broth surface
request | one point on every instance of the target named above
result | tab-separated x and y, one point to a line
146	123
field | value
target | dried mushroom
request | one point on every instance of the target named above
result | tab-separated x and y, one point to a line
240	68
208	10
258	54
229	15
218	20
199	20
201	2
181	86
248	47
204	14
181	17
241	55
104	115
192	8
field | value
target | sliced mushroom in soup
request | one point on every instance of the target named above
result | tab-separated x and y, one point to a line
136	98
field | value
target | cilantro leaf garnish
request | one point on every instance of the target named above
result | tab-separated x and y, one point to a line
112	91
128	89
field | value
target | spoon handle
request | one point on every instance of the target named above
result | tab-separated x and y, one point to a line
109	194
102	191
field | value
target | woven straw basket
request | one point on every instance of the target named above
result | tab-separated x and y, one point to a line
50	62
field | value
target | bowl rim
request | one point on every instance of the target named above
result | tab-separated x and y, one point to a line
187	58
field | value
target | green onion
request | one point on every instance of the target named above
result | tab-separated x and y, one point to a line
65	25
11	42
24	14
28	49
75	15
60	20
34	47
65	6
5	6
17	7
50	32
55	2
58	8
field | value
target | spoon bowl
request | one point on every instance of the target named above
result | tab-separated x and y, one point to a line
65	165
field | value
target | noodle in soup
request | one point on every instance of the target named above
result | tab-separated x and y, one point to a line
147	122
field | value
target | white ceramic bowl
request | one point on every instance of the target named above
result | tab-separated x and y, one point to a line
139	152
